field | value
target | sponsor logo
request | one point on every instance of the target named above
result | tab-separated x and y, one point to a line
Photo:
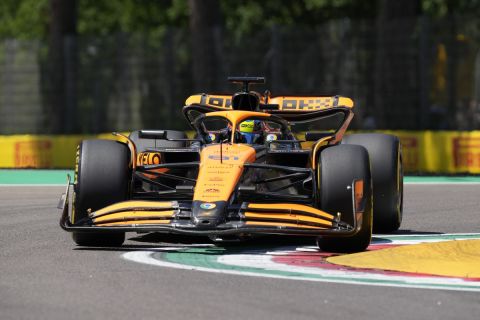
466	152
216	101
307	104
217	157
33	154
410	152
208	206
148	158
220	166
247	126
211	185
219	172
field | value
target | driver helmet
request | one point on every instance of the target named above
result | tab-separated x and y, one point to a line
251	131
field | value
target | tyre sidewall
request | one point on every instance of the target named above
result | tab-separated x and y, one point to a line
387	174
338	167
103	175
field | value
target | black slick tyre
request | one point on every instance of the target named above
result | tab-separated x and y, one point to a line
102	178
387	173
338	167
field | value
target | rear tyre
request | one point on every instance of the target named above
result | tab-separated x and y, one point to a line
338	166
387	173
102	178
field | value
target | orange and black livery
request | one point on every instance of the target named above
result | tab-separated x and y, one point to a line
246	171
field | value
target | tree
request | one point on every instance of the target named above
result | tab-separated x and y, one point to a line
61	106
205	31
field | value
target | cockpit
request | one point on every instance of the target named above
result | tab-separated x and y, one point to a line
241	127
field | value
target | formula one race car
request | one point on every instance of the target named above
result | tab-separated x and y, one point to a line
244	173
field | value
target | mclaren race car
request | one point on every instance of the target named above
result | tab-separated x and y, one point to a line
243	173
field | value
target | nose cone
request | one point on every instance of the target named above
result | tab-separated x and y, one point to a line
220	171
208	215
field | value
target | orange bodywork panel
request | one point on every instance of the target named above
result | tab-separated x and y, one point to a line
221	167
285	103
293	103
132	222
133	216
213	100
297	219
148	158
291	207
358	195
316	149
277	224
134	212
288	214
138	205
238	116
151	158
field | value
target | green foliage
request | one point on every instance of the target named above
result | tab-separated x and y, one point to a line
30	18
440	8
244	17
24	19
103	17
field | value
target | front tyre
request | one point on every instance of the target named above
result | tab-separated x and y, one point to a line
385	155
102	178
338	167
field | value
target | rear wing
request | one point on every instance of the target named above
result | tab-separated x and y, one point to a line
281	104
290	108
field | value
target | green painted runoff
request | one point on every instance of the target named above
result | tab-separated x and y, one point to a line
34	177
59	177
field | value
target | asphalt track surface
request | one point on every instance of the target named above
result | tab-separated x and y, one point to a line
44	276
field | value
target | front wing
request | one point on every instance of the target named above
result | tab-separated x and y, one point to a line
248	218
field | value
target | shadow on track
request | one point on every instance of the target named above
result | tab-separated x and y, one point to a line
412	232
170	242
